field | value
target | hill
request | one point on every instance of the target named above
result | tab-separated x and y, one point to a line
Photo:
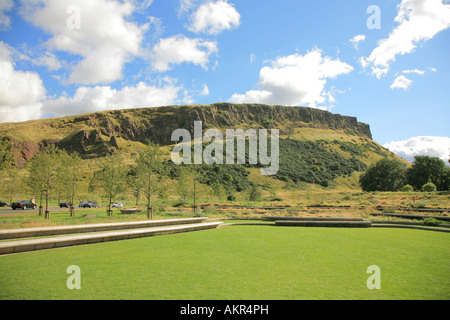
316	146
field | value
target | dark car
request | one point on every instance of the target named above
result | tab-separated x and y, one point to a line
90	204
23	204
65	204
4	204
81	204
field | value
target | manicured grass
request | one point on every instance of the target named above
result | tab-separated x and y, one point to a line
240	262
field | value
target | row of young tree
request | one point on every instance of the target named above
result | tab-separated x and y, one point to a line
53	170
425	174
53	173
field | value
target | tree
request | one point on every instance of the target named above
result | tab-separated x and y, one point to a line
69	174
135	182
428	169
149	167
112	177
7	160
185	181
12	182
254	193
386	175
44	168
6	156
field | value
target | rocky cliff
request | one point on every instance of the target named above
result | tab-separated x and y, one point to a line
95	134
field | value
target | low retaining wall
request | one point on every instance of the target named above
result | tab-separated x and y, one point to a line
315	218
64	241
333	224
58	230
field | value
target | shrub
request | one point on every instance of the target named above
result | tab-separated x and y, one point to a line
429	187
407	188
254	193
276	199
431	222
210	209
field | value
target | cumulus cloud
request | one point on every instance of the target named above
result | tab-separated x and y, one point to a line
401	82
357	39
418	21
296	80
181	49
214	17
21	92
104	39
98	98
423	145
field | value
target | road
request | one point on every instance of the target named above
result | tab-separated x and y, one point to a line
7	211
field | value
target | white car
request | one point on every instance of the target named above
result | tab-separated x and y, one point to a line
116	204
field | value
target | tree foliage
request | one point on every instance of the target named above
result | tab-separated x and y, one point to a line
428	169
112	177
147	175
392	175
6	155
308	161
386	175
44	172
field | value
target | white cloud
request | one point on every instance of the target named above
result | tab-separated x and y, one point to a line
418	21
401	82
357	39
185	6
423	145
296	80
21	92
93	99
48	60
5	21
180	49
205	91
420	72
105	39
214	17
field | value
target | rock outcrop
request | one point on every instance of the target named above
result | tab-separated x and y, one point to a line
96	134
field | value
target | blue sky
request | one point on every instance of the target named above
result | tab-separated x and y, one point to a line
382	61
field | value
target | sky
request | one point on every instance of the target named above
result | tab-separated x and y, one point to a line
385	62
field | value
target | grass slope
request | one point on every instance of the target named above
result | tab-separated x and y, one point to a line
240	262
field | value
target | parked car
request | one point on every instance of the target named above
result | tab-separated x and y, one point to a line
4	204
90	204
116	204
23	204
65	204
81	204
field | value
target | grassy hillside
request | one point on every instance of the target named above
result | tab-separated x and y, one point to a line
318	149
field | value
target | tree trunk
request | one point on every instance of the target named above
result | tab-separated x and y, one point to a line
41	207
149	208
195	205
109	211
72	206
149	198
47	213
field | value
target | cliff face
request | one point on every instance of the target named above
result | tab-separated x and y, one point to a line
157	124
96	133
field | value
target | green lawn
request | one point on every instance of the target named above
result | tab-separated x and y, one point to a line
240	262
